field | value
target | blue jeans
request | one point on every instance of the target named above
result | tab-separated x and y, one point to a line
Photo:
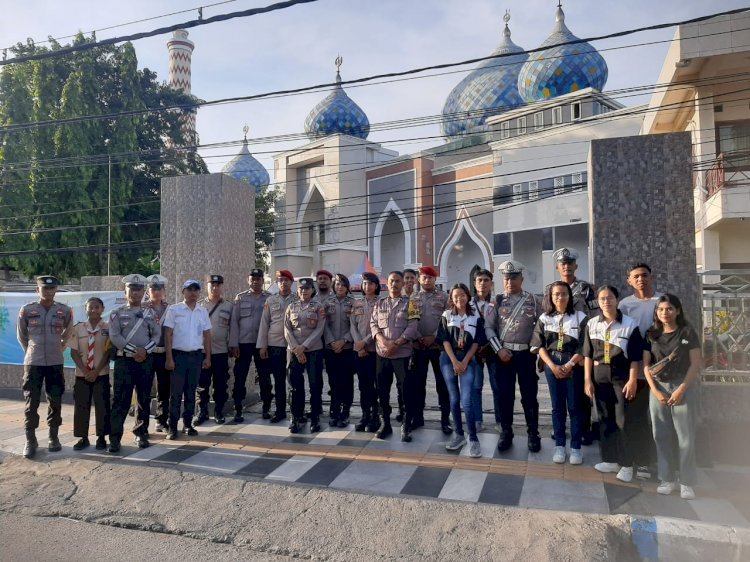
565	395
461	397
674	433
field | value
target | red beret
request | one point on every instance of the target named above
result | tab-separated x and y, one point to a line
285	273
427	270
324	272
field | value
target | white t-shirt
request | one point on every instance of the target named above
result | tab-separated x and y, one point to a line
187	325
642	310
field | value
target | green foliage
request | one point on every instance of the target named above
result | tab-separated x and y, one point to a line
55	180
265	219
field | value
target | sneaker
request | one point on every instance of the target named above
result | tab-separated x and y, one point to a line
625	474
101	443
475	450
607	467
686	492
576	456
665	488
558	457
643	473
456	443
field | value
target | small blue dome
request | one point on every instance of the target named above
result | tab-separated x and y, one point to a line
561	69
244	167
337	113
490	89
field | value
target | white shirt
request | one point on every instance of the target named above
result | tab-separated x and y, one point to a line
188	326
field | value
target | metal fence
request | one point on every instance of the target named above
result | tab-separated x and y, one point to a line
726	325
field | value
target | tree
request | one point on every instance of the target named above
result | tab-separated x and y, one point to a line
54	180
265	221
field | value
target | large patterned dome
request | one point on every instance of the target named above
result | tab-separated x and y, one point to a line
246	168
561	69
490	89
337	113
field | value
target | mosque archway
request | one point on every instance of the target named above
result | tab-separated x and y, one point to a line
463	249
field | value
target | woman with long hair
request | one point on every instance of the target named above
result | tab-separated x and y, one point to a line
461	332
558	338
671	364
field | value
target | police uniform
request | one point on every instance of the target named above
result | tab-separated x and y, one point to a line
485	356
271	337
220	315
42	332
339	366
431	307
243	335
511	328
131	328
304	324
365	366
395	319
158	357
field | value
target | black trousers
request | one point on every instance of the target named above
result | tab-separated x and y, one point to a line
187	370
219	375
277	359
314	368
613	414
385	369
162	386
249	353
129	375
54	385
368	399
421	360
84	393
340	369
521	367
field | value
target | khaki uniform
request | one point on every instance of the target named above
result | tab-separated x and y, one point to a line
304	324
243	334
158	367
339	366
220	316
271	337
99	391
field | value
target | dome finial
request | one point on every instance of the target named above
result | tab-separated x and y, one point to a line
560	16
506	17
338	62
245	131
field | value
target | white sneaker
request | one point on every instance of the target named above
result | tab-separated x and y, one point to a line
558	456
625	474
456	443
475	449
576	456
686	492
607	467
665	488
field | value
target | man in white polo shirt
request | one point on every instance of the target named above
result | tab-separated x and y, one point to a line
187	338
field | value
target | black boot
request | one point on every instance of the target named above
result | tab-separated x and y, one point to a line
344	418
29	449
114	443
266	415
445	424
81	444
201	417
506	440
314	424
219	415
374	423
54	443
385	429
238	417
362	425
294	426
535	442
405	433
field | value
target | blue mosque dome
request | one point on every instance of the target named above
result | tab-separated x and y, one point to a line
490	89
337	113
561	69
244	167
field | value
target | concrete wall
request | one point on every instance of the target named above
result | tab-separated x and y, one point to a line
103	283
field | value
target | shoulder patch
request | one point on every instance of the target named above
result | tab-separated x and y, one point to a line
413	310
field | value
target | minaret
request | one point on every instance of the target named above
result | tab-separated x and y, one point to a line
180	65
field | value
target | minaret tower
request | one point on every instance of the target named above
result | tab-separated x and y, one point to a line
180	65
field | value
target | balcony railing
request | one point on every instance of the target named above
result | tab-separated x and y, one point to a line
731	169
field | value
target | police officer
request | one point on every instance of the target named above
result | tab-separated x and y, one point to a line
339	356
484	303
394	325
42	330
304	323
220	315
364	352
584	299
431	303
511	328
243	337
134	333
324	281
271	341
157	289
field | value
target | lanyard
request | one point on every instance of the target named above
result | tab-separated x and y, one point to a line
560	335
461	335
606	347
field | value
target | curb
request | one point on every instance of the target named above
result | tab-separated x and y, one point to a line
666	538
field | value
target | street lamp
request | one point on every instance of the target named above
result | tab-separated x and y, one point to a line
109	206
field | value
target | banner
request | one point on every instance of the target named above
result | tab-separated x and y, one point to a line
11	352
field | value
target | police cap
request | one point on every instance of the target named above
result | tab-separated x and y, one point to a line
564	255
215	279
306	283
284	274
47	281
135	281
156	281
257	273
511	267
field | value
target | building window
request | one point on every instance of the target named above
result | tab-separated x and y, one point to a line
733	143
505	129
559	184
310	236
501	243
517	192
576	181
538	121
548	240
321	234
522	125
557	115
575	111
533	190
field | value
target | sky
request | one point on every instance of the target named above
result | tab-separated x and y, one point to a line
297	47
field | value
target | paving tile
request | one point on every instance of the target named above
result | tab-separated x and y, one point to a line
426	481
263	465
657	505
177	455
720	512
292	469
503	489
298	439
219	460
353	442
324	472
563	495
488	442
262	432
330	436
152	452
374	476
463	485
518	451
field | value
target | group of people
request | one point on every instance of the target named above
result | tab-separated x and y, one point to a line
636	359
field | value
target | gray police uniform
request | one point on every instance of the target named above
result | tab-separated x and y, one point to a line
41	332
243	334
129	374
271	337
304	324
158	362
365	366
584	297
431	307
220	315
339	366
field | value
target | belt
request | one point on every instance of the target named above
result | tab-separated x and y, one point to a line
516	346
194	352
159	350
121	353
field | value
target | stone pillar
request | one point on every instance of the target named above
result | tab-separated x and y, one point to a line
641	208
207	227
